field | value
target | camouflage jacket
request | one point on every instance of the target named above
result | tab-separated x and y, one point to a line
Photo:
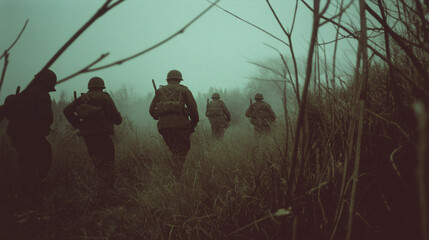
29	112
103	123
260	111
176	120
217	112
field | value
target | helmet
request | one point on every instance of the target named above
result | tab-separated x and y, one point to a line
259	96
47	79
174	74
96	82
215	95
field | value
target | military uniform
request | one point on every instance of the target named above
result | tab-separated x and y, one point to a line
96	130
30	117
218	115
261	114
173	105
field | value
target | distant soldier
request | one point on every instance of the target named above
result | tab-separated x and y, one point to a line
172	105
261	114
30	117
218	115
94	114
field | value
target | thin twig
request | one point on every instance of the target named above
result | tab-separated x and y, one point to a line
100	12
3	73
16	40
83	70
180	31
251	24
88	68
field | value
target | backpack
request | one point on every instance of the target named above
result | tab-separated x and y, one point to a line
214	109
86	110
170	102
260	111
19	107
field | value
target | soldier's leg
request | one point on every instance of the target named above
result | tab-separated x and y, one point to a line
168	137
44	161
101	151
213	127
181	146
106	166
91	145
27	168
221	132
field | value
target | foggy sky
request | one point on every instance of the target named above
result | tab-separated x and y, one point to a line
213	52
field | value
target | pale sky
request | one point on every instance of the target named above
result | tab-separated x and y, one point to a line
213	52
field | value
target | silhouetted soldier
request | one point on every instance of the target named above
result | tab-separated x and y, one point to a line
172	105
218	115
30	117
94	114
261	114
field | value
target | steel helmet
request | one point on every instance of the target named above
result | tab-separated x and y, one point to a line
47	79
96	82
174	74
215	96
259	96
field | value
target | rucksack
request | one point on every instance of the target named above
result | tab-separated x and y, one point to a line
19	107
260	111
170	102
86	110
214	109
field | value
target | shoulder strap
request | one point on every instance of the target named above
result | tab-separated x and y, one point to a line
168	96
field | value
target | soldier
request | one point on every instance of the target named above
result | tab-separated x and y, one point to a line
172	105
261	114
30	117
218	115
94	114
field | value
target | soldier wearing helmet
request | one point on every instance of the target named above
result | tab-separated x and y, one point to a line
218	115
94	114
175	108
30	117
261	115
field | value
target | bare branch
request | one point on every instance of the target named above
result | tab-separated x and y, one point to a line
277	18
16	40
251	24
268	68
3	73
287	69
100	12
294	17
180	31
376	52
342	10
83	70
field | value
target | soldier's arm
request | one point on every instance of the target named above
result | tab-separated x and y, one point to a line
192	107
2	113
45	116
272	114
114	114
153	105
207	108
249	112
226	112
69	113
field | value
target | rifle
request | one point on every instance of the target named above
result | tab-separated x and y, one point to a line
154	85
74	95
207	106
